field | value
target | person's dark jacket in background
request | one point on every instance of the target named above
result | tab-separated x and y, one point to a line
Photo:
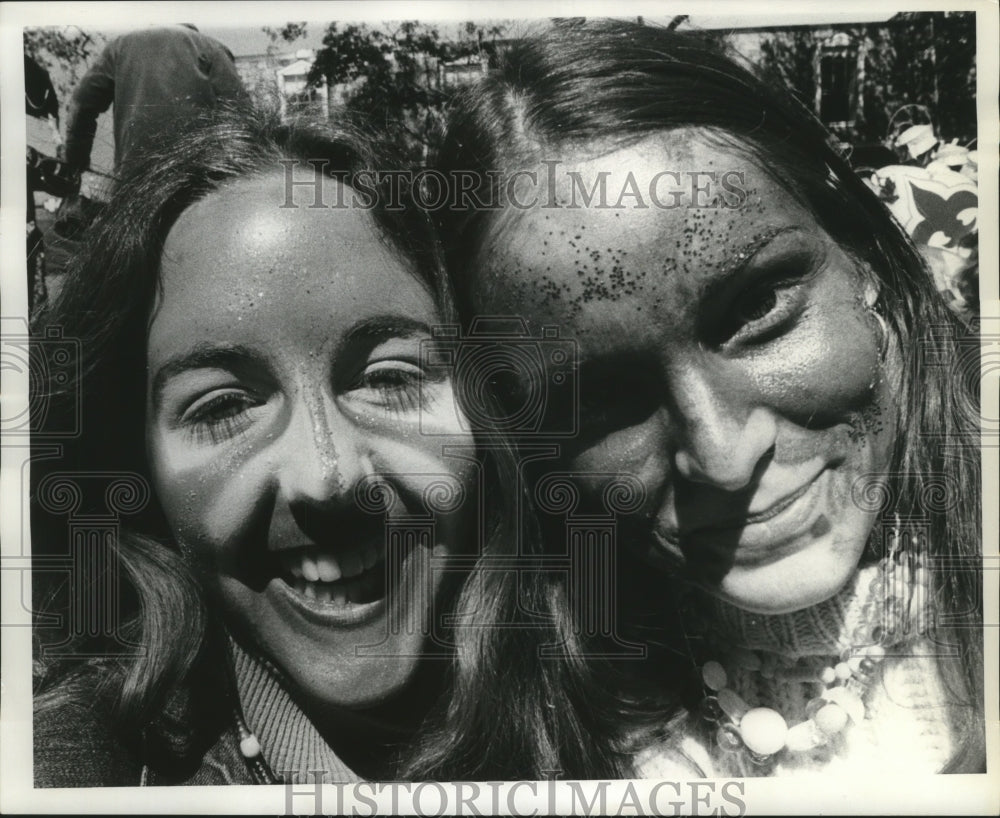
193	741
155	78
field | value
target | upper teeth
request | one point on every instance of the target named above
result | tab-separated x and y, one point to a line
315	565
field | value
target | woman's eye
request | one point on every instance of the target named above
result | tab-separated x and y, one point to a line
761	308
219	416
394	385
755	304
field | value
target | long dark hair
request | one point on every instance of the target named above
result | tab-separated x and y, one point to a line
610	84
103	311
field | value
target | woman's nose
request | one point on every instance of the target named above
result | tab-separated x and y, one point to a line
723	435
322	458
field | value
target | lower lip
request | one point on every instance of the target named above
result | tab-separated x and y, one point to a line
772	539
325	614
759	543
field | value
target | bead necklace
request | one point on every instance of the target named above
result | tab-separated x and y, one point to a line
250	749
249	744
762	732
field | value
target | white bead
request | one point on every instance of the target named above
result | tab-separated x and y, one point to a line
250	747
714	675
763	730
831	719
803	737
828	676
843	671
847	699
876	653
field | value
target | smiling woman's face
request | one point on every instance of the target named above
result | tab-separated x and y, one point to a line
284	373
727	359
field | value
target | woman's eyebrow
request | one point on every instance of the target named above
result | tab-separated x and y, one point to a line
748	252
202	356
744	256
379	327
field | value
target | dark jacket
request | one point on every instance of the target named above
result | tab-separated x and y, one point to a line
193	741
156	78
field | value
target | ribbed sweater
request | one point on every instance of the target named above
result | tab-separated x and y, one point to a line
290	743
911	718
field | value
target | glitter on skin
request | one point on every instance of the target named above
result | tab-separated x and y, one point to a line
716	419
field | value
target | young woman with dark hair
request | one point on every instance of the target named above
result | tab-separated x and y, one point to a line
252	365
762	349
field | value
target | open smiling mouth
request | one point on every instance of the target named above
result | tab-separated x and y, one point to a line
336	577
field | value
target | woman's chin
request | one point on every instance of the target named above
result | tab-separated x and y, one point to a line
795	582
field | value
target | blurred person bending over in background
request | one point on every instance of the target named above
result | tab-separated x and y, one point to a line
155	78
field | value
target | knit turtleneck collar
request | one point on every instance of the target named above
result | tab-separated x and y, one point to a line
291	744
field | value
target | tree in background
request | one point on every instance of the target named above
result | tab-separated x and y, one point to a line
790	58
289	32
394	76
63	51
914	59
927	59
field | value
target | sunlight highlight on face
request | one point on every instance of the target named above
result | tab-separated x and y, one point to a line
285	382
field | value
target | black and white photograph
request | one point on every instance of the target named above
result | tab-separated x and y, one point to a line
467	408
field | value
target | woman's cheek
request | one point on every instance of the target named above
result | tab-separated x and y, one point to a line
436	422
823	372
208	499
432	444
